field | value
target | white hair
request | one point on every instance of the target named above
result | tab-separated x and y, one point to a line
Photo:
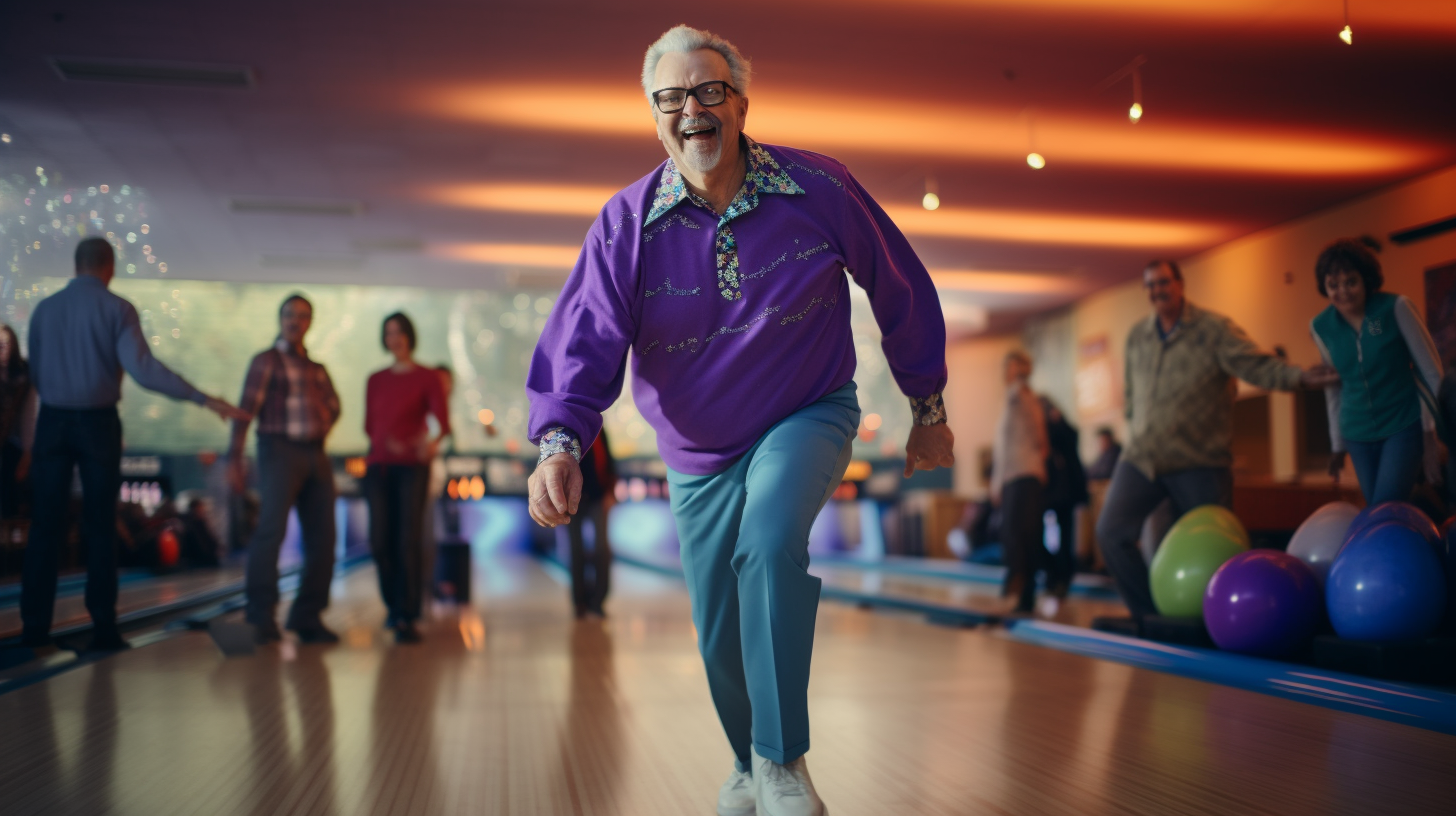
685	39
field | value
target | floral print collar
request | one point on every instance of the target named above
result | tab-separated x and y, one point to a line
764	176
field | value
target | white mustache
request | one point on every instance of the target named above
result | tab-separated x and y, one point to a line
705	121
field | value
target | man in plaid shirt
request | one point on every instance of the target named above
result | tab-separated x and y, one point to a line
296	407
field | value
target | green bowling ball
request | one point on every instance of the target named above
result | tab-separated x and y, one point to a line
1192	551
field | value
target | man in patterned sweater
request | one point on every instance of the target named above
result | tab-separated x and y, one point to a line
1180	366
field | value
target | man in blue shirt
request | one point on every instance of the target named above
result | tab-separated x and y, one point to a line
82	339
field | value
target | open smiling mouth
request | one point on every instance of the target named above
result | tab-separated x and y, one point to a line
699	134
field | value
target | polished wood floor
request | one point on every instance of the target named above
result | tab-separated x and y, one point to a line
131	596
514	708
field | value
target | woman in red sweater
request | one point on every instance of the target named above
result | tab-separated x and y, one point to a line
398	399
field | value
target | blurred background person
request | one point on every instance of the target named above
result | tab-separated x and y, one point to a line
82	339
1099	476
1379	344
591	571
1018	481
397	400
18	406
1066	490
296	405
1108	452
1179	385
429	536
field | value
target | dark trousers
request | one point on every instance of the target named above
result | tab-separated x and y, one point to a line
11	488
397	495
1023	539
292	474
591	572
1062	565
1130	498
65	441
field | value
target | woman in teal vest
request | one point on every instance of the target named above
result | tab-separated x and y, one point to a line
1381	348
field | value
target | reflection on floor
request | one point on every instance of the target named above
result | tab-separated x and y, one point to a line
512	707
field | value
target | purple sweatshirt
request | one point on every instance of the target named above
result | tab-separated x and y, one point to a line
732	323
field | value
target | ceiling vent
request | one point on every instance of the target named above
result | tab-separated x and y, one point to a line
318	262
295	206
146	72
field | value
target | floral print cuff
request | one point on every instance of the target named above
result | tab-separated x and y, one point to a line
559	440
928	410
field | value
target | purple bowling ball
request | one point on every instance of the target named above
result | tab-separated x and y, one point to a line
1399	512
1262	602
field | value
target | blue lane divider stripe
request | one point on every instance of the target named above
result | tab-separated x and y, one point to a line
1420	706
938	613
1084	585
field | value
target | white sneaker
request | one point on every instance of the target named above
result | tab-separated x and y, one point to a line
737	796
785	790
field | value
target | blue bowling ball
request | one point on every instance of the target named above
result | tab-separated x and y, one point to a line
1399	512
1386	585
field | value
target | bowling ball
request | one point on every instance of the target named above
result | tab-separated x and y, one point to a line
1386	585
1398	512
1194	548
169	549
1213	515
1262	602
1319	539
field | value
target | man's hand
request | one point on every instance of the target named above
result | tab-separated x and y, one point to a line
554	490
1319	376
237	472
1337	465
929	447
226	409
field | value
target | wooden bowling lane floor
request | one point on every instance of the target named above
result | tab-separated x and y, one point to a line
131	596
514	708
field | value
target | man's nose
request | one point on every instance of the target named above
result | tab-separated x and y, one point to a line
692	108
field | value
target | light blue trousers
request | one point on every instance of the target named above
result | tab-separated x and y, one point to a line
745	554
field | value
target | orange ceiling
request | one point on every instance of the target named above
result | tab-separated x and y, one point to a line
486	136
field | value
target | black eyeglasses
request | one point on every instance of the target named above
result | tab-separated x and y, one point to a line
708	94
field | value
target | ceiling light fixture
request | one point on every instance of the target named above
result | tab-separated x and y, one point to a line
1135	113
1134	70
931	201
1347	36
1034	160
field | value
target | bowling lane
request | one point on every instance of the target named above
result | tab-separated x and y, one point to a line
511	707
133	595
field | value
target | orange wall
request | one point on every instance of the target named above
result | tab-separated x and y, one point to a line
974	395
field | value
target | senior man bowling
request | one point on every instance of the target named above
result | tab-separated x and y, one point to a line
723	275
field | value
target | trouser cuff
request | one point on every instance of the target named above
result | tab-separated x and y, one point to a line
783	757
